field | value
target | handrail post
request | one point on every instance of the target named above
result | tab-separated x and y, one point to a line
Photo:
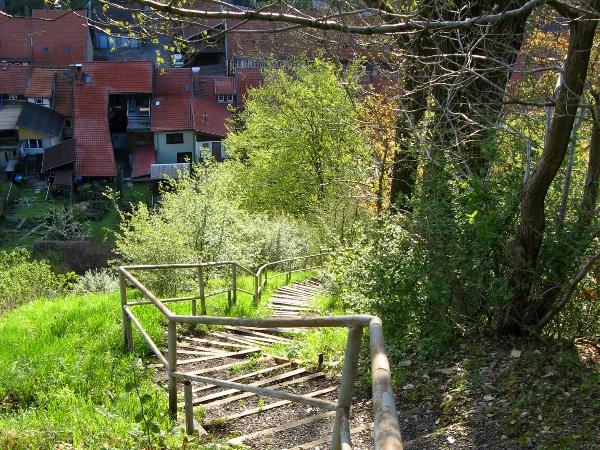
256	284
234	282
386	431
201	290
172	359
347	382
289	274
189	407
127	328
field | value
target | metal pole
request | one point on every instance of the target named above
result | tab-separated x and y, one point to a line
347	383
386	431
201	289
234	282
172	358
127	329
189	407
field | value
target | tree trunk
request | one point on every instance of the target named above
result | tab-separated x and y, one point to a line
592	179
524	313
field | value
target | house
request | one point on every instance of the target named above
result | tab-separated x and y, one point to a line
49	38
26	130
112	114
174	137
59	162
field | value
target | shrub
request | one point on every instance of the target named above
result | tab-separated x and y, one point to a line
199	219
23	279
97	281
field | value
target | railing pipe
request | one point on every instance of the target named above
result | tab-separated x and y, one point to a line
386	429
172	359
127	330
147	338
189	407
346	391
149	295
278	322
234	283
282	395
201	290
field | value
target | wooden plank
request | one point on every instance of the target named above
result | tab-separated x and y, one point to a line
260	409
289	308
228	392
246	375
223	367
208	350
256	339
287	426
224	355
242	339
251	394
216	343
259	334
183	351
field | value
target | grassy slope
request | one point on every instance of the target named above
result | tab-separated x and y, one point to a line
63	373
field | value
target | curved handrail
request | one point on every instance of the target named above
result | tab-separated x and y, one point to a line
386	429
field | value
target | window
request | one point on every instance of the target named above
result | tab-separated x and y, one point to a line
38	101
225	98
102	41
45	50
67	50
12	97
34	144
175	138
184	157
68	123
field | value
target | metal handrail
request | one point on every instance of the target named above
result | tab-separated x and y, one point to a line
386	431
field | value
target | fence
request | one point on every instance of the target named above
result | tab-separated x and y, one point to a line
386	431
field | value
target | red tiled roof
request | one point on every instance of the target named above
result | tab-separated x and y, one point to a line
95	156
41	84
14	79
62	38
172	81
63	92
123	77
224	85
171	106
14	38
171	112
143	158
210	117
247	79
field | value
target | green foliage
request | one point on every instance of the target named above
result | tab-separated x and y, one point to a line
199	219
97	281
300	140
23	279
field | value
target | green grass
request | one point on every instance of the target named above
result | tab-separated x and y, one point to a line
64	377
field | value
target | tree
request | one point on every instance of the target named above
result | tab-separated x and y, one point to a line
301	140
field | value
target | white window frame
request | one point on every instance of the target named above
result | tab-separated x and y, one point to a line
225	98
39	145
38	100
13	97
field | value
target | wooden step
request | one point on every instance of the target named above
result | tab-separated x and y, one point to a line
249	351
246	375
251	394
269	431
260	409
228	392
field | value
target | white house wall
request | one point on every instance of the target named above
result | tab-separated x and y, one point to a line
167	153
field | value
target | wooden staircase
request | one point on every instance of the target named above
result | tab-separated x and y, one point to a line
242	354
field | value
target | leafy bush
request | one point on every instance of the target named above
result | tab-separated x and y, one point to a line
23	279
198	220
97	281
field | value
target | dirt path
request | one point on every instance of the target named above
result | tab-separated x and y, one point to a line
242	355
